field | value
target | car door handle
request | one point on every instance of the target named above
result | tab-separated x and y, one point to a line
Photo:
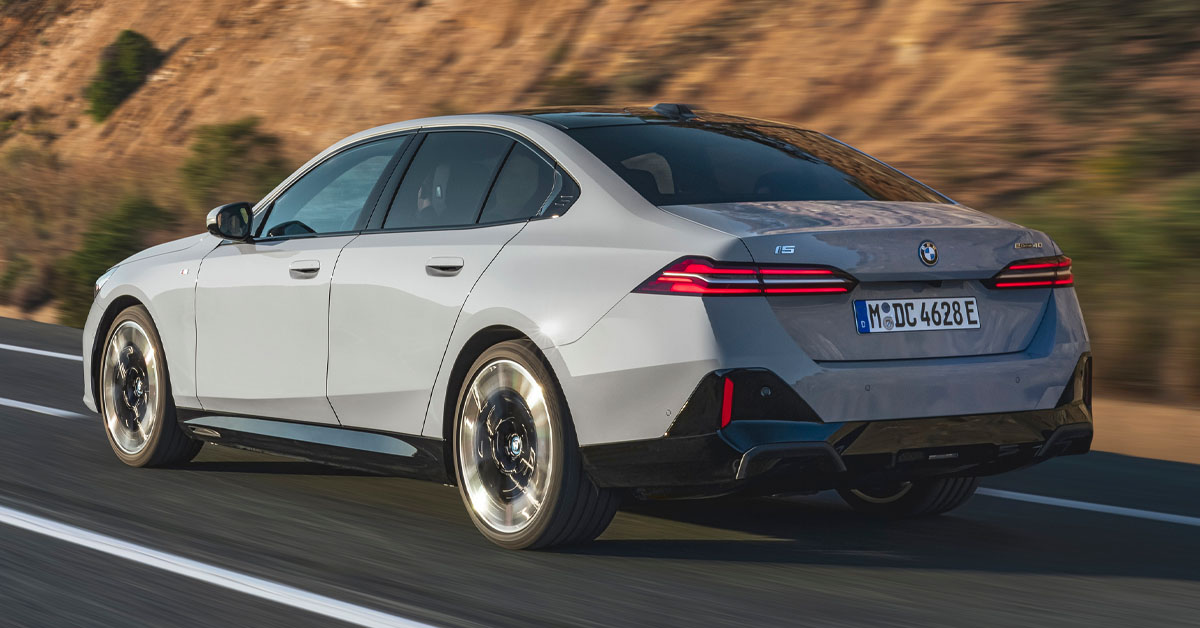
304	269
443	266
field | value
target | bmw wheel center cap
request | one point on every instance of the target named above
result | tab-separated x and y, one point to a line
928	253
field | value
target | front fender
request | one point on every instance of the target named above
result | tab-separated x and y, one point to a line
165	284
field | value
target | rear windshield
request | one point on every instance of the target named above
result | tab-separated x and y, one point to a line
696	163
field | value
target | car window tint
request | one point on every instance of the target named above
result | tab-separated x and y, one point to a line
521	189
448	179
331	197
698	163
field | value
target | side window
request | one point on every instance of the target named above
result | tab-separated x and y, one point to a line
448	179
332	196
522	188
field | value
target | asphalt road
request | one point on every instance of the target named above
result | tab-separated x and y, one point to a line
407	549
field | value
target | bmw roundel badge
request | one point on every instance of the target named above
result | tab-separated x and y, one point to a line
928	253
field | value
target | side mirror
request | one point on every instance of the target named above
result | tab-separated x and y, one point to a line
231	222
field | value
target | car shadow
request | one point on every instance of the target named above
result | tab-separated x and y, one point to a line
273	467
988	534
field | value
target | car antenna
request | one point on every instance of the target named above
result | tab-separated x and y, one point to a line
675	111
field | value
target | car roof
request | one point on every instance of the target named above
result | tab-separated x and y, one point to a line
563	118
585	116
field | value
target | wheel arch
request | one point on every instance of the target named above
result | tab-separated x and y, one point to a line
114	308
474	347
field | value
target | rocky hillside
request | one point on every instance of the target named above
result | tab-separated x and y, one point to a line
924	83
1081	117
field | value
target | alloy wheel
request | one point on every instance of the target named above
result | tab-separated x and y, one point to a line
504	446
130	387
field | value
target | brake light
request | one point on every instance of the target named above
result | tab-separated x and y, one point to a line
1042	272
704	277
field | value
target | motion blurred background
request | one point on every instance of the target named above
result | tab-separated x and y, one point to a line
123	121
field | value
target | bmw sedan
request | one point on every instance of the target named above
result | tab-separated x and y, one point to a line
555	308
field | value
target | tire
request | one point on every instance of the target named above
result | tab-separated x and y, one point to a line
919	498
135	395
517	460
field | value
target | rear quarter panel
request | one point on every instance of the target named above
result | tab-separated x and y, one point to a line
559	276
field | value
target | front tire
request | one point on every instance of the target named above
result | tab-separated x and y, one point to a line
135	395
918	498
516	456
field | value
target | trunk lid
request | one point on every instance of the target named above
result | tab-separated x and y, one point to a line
878	243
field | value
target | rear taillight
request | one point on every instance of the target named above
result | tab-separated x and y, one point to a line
1040	272
704	277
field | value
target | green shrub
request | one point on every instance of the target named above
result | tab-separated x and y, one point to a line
643	78
14	271
232	162
108	240
29	157
1104	50
573	89
124	66
1165	148
1181	222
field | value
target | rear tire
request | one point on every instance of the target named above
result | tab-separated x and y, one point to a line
919	498
516	457
135	395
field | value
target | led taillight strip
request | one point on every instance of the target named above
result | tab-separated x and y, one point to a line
699	276
1044	272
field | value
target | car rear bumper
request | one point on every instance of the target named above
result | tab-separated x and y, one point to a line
655	348
774	456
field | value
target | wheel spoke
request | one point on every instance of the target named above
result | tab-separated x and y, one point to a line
129	387
505	472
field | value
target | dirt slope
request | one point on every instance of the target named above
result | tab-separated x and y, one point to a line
933	86
899	78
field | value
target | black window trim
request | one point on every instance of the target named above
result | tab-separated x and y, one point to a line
268	203
376	226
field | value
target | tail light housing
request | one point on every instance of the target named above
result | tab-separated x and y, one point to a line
700	276
1039	272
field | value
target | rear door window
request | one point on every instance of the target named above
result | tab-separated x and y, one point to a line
448	180
521	190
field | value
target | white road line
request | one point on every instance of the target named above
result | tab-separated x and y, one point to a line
249	585
33	407
1111	510
49	354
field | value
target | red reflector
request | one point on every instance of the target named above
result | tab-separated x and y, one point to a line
727	403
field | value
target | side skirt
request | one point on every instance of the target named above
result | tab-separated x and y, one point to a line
375	452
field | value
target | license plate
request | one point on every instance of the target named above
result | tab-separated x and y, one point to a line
916	315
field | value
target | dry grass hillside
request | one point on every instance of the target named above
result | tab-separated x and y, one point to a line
901	79
1078	116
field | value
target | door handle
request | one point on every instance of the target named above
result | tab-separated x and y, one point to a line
304	269
444	266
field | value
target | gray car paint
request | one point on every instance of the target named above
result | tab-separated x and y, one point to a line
877	243
626	362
